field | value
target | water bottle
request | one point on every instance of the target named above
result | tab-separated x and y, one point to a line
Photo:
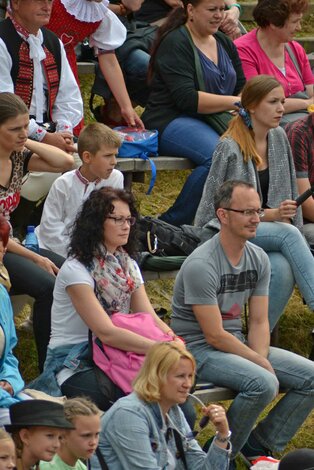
31	241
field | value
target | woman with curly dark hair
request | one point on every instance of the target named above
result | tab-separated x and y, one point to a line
99	278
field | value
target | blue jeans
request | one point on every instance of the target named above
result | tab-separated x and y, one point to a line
135	69
194	139
287	239
256	388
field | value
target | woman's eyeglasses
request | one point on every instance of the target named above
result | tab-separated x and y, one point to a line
121	220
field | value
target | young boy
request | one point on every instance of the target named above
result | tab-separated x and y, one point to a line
97	148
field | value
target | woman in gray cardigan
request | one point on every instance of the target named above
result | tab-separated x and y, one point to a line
256	150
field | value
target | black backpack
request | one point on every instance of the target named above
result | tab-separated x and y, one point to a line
162	239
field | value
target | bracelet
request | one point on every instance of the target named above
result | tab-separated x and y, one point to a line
236	5
223	440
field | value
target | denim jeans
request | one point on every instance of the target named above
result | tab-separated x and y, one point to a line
256	388
135	69
287	239
281	286
193	139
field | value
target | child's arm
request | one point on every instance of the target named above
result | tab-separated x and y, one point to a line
52	232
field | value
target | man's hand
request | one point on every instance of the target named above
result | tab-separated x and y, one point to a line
263	362
62	140
7	387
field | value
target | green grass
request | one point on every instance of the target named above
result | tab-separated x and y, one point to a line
295	325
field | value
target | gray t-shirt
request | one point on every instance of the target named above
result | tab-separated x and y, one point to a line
208	278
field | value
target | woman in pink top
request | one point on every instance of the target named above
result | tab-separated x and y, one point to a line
270	49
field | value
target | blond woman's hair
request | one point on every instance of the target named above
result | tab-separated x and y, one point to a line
153	374
253	93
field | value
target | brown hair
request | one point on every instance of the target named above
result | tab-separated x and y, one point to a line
11	106
94	136
277	12
176	18
253	93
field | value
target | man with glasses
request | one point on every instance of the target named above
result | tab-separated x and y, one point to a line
214	284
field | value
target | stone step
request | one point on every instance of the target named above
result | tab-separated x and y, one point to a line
247	8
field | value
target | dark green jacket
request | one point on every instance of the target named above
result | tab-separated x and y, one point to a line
174	89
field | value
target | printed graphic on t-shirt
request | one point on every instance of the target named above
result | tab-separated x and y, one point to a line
230	283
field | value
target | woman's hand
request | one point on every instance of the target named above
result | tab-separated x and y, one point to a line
132	118
46	264
287	210
230	22
7	387
217	415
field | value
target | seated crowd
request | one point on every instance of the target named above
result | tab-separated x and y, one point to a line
242	192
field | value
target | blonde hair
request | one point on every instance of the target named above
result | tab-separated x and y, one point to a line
94	136
253	93
80	406
4	435
153	374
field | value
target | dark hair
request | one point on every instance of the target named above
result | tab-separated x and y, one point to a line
88	229
277	12
11	106
176	18
4	230
224	193
94	136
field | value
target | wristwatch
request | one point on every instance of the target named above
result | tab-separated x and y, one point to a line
223	440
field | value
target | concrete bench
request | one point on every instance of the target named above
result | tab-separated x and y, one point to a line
209	392
134	168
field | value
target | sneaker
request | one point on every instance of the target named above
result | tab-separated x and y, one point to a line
250	460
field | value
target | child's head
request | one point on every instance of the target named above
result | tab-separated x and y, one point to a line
37	427
97	147
81	442
7	451
4	236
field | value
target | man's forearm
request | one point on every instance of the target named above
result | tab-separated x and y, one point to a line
259	339
226	342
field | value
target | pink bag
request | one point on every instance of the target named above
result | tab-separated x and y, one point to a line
123	366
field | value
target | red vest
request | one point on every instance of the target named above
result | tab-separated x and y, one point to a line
70	30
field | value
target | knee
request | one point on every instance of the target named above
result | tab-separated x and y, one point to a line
264	387
281	269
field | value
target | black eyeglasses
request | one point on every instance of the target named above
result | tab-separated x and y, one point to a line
121	220
247	212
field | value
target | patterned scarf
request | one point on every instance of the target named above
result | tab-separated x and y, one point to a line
116	278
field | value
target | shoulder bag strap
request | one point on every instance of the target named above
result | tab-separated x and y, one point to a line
198	67
294	60
101	460
179	446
